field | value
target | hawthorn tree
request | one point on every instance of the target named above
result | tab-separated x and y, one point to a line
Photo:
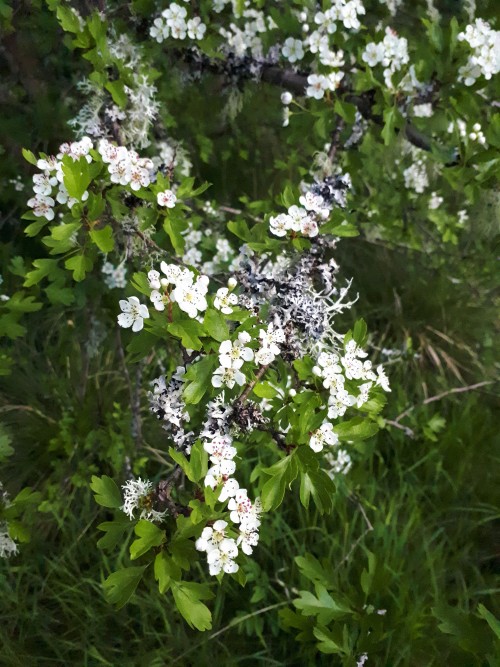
230	315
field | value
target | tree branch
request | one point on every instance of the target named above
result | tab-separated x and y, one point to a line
252	384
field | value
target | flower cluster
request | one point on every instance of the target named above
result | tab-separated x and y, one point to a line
340	463
416	176
318	84
52	175
240	39
435	201
221	550
475	134
316	204
114	276
424	110
137	495
221	453
269	344
232	355
125	166
336	370
189	291
173	23
391	53
485	57
343	11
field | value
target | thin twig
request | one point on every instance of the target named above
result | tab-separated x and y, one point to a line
334	145
408	431
28	408
438	397
164	492
367	530
252	384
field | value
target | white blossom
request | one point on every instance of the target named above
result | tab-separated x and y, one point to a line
133	315
224	300
211	537
233	354
222	557
227	377
324	435
166	198
293	49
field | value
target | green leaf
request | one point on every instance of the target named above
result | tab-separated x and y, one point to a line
358	428
240	229
17	266
324	607
360	333
346	110
78	174
113	532
44	268
106	493
181	460
35	227
318	484
198	460
5	449
312	569
289	197
215	325
80	265
265	390
65	231
198	377
120	586
18	303
187	596
470	632
140	346
68	19
149	536
327	641
174	233
29	156
117	90
492	621
188	331
58	294
165	571
103	238
282	475
390	116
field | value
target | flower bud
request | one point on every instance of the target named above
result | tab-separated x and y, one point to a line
231	283
286	98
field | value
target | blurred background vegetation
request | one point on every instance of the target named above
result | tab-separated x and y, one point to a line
427	552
